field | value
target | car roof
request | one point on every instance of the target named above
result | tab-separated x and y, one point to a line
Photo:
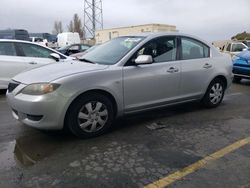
152	35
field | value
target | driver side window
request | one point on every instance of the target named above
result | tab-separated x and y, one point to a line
162	49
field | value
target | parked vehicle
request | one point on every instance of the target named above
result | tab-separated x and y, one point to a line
49	38
247	42
17	56
73	49
67	38
80	54
18	34
241	66
125	75
234	48
40	41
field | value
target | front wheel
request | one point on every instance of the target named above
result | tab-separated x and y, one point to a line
90	115
214	94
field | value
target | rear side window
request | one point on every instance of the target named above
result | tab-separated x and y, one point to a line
30	50
7	48
193	49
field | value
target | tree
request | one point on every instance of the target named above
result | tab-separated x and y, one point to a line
75	25
71	26
57	27
242	36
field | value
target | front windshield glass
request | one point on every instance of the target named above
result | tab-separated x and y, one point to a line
112	51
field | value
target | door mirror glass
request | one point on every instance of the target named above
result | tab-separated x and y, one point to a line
55	56
144	59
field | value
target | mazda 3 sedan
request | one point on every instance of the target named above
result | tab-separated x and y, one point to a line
125	75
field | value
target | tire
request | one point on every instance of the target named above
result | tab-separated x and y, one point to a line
90	115
236	79
214	94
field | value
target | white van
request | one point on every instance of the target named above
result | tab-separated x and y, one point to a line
67	38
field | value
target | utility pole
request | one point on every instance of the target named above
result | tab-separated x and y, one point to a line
93	17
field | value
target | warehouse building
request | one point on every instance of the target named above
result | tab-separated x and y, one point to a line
107	34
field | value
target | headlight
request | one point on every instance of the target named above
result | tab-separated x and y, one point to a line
39	89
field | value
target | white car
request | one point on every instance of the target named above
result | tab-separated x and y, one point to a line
17	56
234	48
40	41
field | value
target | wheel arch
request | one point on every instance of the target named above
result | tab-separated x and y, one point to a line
96	91
223	78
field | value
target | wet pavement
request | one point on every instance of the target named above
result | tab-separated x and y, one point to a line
139	150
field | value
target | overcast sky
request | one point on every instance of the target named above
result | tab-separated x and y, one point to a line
209	19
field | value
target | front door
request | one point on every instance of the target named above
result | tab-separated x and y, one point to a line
146	86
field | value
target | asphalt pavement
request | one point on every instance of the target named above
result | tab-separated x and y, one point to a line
139	151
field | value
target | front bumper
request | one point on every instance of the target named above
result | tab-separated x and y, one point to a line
243	72
42	112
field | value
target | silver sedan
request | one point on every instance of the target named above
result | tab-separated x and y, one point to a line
125	75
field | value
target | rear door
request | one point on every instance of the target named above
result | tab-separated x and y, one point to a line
10	63
149	85
197	67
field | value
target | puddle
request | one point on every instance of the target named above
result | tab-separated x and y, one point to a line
27	151
7	155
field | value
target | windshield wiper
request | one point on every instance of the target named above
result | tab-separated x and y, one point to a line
87	61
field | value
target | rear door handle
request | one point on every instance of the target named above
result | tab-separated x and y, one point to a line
207	66
173	70
32	63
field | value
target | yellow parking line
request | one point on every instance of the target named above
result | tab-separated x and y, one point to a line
197	165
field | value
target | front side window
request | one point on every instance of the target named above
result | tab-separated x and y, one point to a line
162	49
228	48
112	51
84	47
193	49
7	48
30	50
238	47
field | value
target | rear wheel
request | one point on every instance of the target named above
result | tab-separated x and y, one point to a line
90	115
236	79
214	94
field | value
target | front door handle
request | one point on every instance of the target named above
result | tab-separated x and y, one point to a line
207	66
32	63
173	70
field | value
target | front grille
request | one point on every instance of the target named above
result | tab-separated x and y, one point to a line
12	86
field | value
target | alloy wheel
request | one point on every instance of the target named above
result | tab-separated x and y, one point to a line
92	116
216	93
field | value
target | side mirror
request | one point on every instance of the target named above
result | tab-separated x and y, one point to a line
144	59
55	56
245	49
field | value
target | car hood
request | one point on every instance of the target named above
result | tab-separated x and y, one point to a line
55	71
245	55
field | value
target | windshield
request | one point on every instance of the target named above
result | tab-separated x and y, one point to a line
112	51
